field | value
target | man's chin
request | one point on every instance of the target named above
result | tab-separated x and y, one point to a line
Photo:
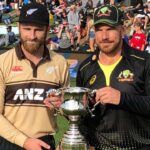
106	49
31	49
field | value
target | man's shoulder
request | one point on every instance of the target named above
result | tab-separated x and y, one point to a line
88	62
137	55
6	53
56	56
6	57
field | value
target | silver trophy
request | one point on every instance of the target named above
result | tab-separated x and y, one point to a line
74	106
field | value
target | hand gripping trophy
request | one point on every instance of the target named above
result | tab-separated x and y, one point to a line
74	106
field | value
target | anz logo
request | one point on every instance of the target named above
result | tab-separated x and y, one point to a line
29	94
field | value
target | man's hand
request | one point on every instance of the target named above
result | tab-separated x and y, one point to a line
108	95
35	144
53	101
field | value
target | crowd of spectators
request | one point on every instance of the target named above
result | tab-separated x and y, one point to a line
72	23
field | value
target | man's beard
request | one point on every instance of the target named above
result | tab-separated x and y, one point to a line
32	46
111	50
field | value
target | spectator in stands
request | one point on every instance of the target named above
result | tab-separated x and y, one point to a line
53	5
112	2
48	3
101	2
57	2
142	18
42	2
64	14
147	9
74	26
137	3
128	19
137	6
148	3
64	36
89	4
90	33
20	3
10	37
139	18
4	11
80	2
138	40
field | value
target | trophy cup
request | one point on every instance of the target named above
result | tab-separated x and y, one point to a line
74	106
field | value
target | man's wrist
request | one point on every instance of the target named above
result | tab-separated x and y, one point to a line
20	139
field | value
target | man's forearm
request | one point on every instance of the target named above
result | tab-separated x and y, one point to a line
10	133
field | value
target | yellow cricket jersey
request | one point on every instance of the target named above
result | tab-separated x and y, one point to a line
107	69
23	88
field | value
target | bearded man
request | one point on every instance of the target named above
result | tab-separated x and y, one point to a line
121	77
27	72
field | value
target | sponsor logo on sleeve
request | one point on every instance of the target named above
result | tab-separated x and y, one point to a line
93	79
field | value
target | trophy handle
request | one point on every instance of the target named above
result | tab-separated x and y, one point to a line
56	92
91	98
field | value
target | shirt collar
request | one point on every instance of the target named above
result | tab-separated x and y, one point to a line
20	54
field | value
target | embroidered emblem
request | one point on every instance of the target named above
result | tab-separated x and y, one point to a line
125	75
31	11
105	11
51	69
93	79
17	68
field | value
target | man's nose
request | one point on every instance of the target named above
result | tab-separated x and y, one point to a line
32	35
104	35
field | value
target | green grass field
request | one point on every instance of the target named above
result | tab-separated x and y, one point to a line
62	122
63	126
